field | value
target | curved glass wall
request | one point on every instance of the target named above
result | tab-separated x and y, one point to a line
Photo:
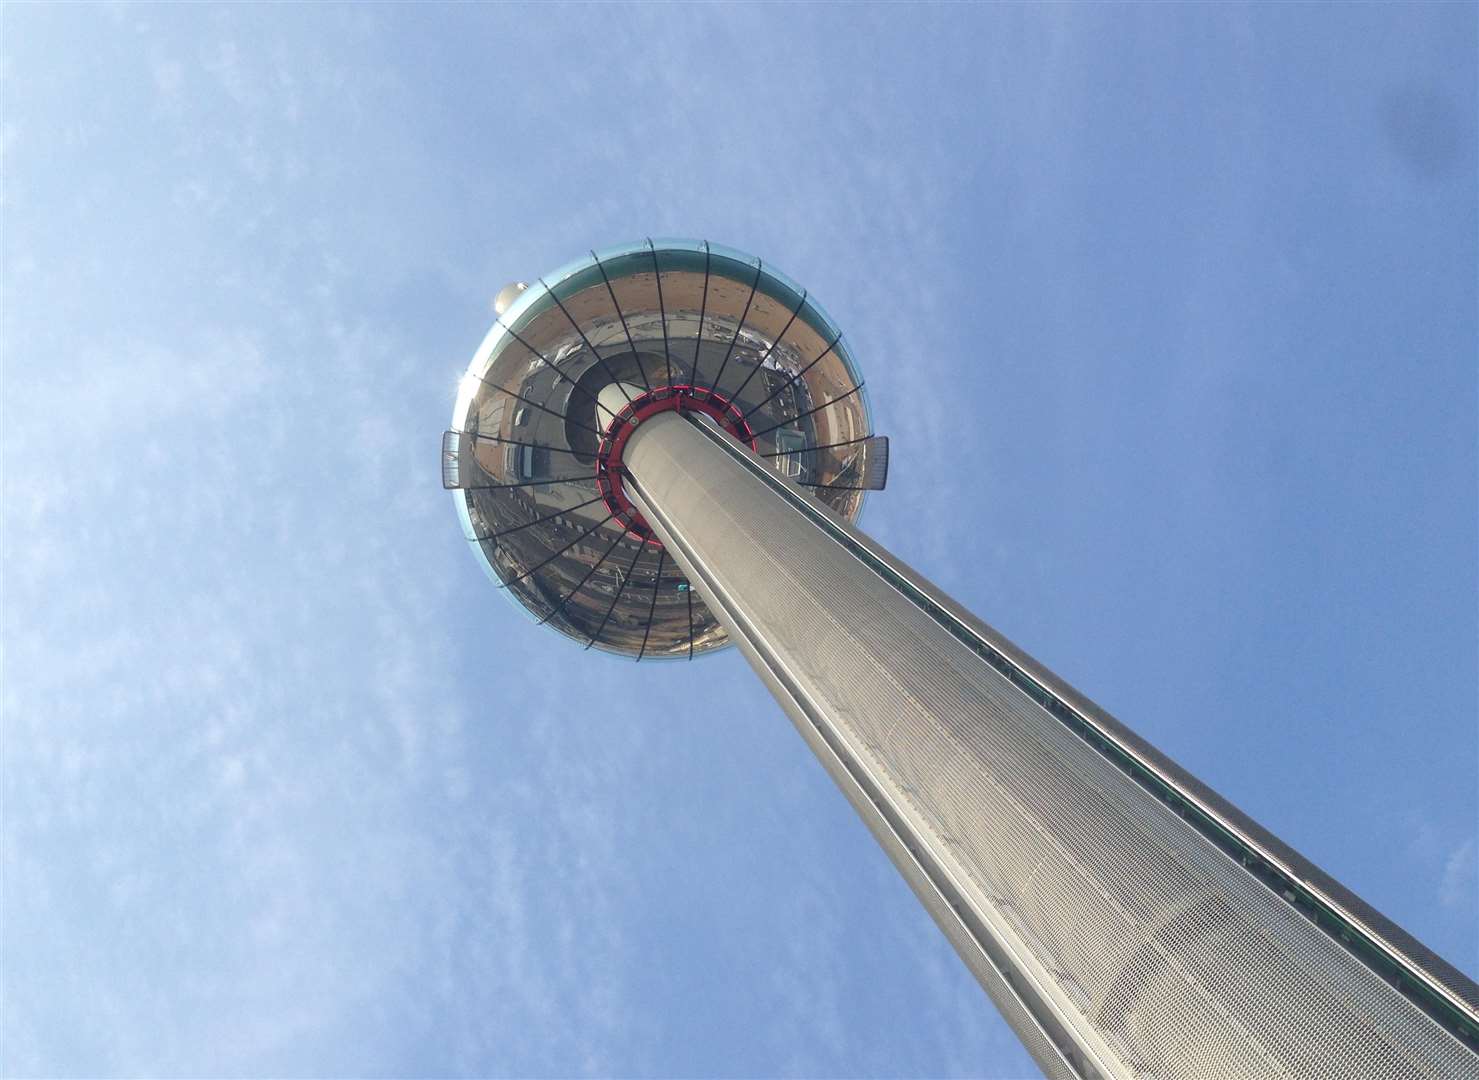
521	455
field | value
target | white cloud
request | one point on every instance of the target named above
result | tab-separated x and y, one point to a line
1457	891
169	77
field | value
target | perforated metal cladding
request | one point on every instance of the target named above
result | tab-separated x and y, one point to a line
1167	957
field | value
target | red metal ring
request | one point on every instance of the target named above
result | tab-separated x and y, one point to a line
672	398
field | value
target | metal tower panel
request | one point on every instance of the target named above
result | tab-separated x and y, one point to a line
1117	929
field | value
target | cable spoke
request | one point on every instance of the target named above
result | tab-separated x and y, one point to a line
525	483
791	381
703	309
515	442
808	412
759	268
537	405
766	355
545	561
561	605
827	446
617	598
547	361
662	310
625	329
588	344
536	521
690	620
662	554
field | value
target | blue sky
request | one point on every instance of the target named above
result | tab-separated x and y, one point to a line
1170	313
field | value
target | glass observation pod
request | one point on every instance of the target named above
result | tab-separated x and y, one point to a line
533	458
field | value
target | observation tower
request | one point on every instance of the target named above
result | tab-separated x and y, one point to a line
664	447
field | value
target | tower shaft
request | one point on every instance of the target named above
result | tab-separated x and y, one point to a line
1125	919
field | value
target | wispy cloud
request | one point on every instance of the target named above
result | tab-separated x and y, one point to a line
1457	891
287	789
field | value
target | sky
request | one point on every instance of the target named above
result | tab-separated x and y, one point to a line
1169	313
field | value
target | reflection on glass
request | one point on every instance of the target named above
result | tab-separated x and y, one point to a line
520	458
